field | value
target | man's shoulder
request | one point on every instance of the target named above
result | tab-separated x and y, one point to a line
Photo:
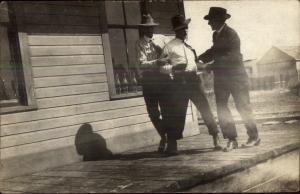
161	38
229	30
173	42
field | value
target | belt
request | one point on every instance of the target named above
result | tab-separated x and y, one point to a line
184	77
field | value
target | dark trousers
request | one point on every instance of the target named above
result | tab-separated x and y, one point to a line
153	91
238	87
185	87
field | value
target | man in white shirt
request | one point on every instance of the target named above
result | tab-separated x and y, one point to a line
186	86
149	48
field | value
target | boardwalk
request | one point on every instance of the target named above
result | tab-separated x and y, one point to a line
143	170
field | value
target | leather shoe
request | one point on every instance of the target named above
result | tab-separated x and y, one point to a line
232	144
161	146
216	141
171	148
252	142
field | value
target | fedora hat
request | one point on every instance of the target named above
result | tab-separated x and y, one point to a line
147	20
217	13
179	22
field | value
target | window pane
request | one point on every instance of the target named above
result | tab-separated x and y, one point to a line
3	12
133	12
114	11
8	78
118	48
132	36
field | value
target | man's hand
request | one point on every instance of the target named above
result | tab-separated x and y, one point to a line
166	69
163	61
191	69
201	65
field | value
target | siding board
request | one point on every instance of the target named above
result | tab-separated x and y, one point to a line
69	80
69	110
66	60
70	90
72	100
63	40
70	120
68	70
65	50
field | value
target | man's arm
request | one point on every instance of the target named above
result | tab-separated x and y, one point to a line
207	56
164	61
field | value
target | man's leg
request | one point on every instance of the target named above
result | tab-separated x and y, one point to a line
152	99
225	117
198	97
240	94
174	115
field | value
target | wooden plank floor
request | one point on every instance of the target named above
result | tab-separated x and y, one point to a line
143	170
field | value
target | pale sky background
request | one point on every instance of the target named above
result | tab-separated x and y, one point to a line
259	23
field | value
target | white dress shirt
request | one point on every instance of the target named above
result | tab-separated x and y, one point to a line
180	53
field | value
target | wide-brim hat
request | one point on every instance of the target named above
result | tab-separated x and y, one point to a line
218	13
147	20
179	22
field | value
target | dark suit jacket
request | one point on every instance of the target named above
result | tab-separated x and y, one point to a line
225	52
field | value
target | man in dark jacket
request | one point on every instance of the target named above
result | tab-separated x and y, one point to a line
230	77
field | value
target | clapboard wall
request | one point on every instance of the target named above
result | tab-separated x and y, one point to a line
65	42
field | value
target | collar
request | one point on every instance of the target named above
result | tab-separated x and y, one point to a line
179	40
147	39
218	31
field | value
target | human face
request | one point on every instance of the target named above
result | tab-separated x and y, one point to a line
182	33
148	31
215	24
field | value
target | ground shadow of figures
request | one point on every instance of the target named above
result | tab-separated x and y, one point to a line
91	145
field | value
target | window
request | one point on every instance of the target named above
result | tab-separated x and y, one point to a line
13	91
123	18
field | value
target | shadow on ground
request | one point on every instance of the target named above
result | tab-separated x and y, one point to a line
90	145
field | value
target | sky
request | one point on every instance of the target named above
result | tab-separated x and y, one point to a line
259	23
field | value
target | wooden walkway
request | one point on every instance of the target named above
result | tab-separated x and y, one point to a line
143	170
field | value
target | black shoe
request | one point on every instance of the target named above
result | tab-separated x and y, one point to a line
161	146
171	148
216	141
252	142
232	144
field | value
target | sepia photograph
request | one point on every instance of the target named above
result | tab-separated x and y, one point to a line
150	96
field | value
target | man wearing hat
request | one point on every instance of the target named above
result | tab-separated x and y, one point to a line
186	86
230	77
149	48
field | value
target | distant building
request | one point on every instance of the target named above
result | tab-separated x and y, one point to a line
281	63
251	67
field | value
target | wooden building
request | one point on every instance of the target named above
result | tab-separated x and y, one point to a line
282	63
68	83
